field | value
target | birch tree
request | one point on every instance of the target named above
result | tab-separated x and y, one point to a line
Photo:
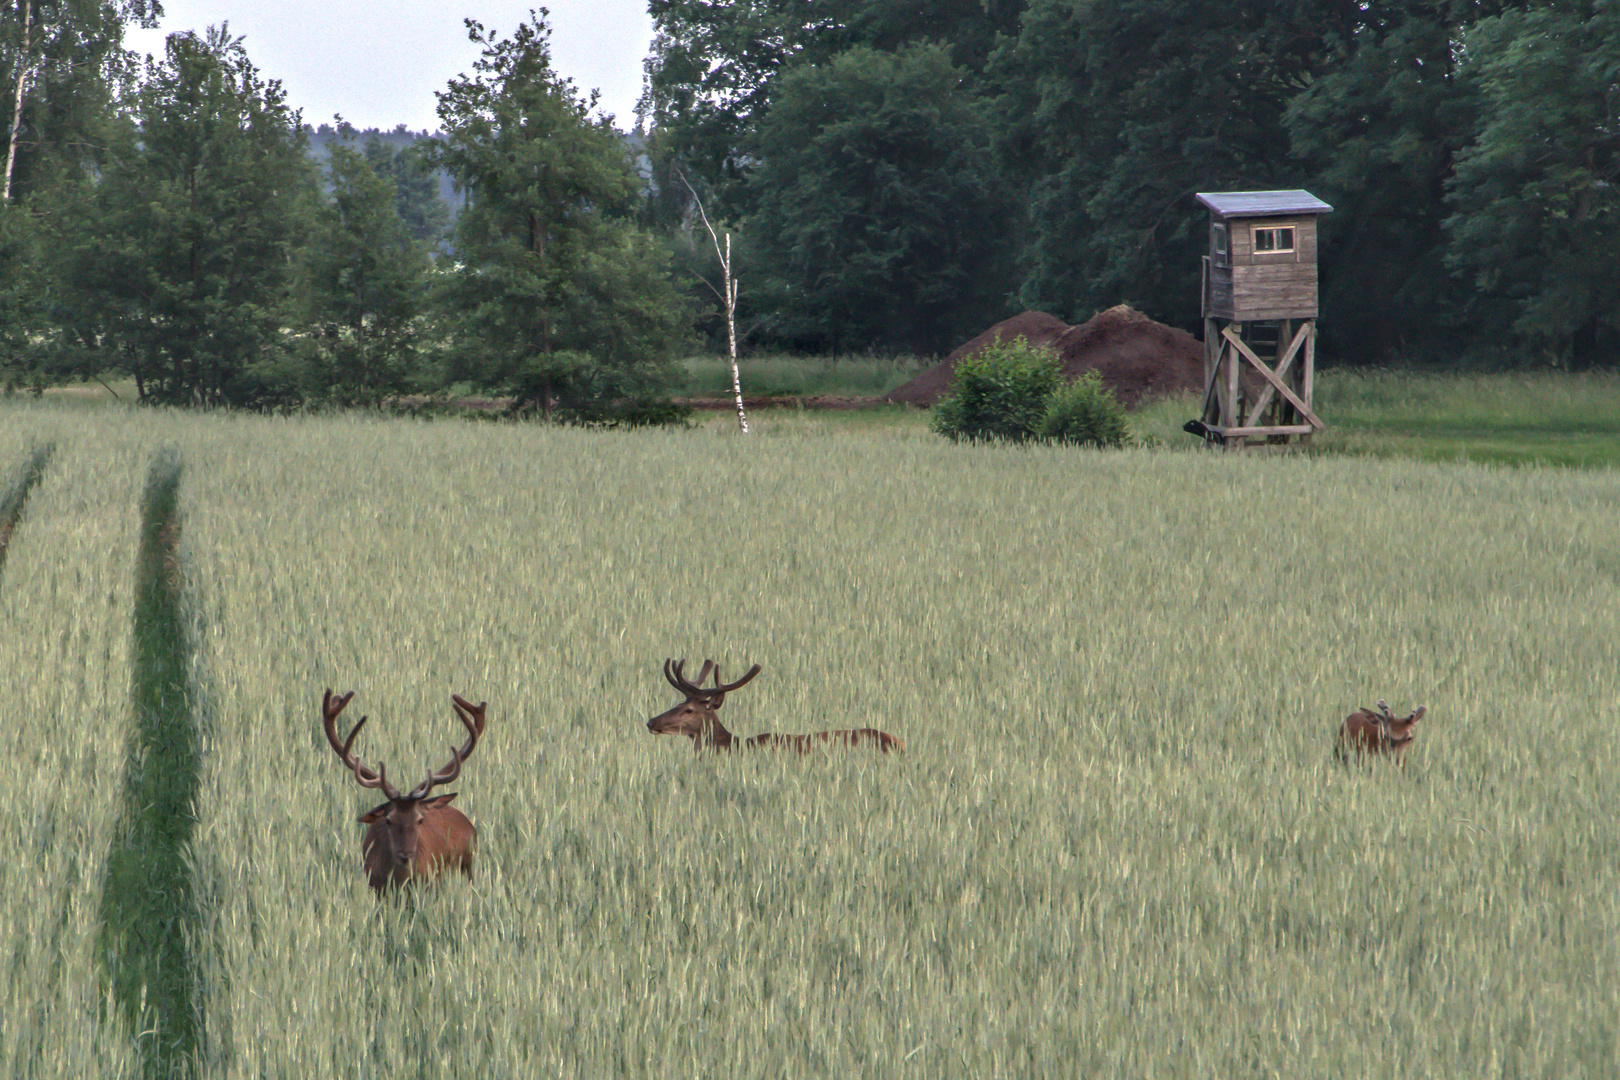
727	294
62	65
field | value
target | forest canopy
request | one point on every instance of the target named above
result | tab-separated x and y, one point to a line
1471	152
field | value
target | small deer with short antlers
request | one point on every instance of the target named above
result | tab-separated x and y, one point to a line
698	717
1366	734
411	836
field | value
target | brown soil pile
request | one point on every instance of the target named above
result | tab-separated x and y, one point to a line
1137	357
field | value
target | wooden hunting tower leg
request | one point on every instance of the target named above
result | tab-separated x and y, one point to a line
1259	381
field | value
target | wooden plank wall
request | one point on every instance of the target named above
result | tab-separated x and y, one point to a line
1260	286
1275	291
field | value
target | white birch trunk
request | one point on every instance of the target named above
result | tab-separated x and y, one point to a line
730	284
17	100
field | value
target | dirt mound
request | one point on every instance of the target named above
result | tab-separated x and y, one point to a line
1137	357
1036	327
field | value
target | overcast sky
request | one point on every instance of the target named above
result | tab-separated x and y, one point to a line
379	62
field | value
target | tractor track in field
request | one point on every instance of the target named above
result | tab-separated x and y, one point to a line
13	502
148	909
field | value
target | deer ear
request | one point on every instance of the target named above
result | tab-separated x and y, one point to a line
375	815
437	801
1417	713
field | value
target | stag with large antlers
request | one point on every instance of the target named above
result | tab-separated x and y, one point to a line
411	836
1366	734
699	718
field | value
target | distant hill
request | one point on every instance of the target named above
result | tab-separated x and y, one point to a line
400	137
321	139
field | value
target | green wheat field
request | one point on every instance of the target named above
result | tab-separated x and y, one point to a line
1118	844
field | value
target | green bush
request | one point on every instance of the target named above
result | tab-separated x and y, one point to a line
1013	390
1085	412
1001	392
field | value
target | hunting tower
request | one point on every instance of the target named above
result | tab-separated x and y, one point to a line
1259	308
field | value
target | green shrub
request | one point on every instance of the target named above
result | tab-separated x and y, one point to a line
1085	412
1014	390
1001	392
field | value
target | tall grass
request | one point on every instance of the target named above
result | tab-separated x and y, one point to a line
1525	418
771	375
1549	418
65	595
1117	846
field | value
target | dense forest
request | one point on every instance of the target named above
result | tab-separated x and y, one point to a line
895	177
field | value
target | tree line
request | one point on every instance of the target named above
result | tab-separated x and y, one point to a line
906	173
167	225
895	177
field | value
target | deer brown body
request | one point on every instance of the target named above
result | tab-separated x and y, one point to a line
1369	733
411	836
698	718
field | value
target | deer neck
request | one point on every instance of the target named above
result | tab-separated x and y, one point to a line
714	734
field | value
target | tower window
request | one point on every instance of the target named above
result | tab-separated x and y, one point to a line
1280	238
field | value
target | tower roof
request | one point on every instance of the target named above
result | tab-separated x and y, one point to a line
1262	203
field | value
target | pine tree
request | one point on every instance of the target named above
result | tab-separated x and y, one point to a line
556	297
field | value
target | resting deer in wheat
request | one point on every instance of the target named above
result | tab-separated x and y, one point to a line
1367	734
411	836
699	718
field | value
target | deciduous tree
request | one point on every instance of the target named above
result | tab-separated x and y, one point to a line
879	203
179	265
62	66
1535	195
364	282
62	63
1376	134
715	68
1114	114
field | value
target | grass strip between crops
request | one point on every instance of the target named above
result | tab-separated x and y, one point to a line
12	504
148	909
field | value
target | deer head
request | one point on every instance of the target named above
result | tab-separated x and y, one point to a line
697	716
410	835
1398	732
